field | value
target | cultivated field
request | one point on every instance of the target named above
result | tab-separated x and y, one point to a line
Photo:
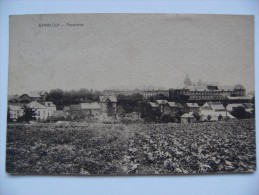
80	148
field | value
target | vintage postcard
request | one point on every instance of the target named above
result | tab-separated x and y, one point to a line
131	94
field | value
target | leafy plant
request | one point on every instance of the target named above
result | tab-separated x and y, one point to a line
28	113
220	117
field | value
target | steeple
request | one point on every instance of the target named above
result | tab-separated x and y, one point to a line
187	81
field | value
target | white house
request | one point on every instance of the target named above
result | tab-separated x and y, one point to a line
15	112
214	115
51	108
187	118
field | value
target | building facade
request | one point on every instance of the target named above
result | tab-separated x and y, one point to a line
15	112
146	91
206	91
51	108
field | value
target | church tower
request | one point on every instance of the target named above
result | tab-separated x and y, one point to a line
187	81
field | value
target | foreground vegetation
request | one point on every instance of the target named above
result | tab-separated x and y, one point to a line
81	148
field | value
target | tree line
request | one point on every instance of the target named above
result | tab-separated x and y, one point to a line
63	98
125	104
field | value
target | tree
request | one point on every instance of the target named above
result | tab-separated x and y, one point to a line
9	119
130	103
82	93
220	117
209	117
178	115
110	110
167	118
121	111
28	114
233	95
182	99
57	97
64	98
196	116
148	113
157	97
240	113
253	102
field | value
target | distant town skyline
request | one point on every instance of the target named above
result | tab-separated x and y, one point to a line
129	50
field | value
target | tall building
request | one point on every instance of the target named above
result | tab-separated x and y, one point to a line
206	91
146	91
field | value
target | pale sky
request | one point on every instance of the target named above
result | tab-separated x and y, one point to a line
129	49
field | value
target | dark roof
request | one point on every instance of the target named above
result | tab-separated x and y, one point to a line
18	104
75	107
66	108
32	95
192	105
174	104
105	98
154	105
90	106
36	105
240	98
49	104
13	97
162	101
15	108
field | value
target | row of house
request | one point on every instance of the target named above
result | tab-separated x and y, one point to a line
43	111
94	109
212	109
167	107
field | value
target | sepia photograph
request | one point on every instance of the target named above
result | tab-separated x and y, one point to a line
131	94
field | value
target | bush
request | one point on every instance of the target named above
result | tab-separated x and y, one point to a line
240	113
167	118
197	116
130	121
220	117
